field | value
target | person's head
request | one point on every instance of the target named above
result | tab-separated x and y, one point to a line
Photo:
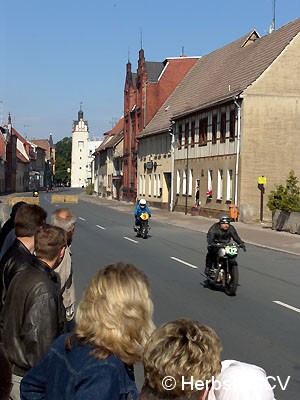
50	243
29	218
115	313
5	376
142	203
182	348
241	381
224	222
65	219
15	208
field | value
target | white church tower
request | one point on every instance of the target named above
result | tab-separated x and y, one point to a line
79	167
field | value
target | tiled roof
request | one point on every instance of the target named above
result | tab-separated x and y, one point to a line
223	74
154	69
109	136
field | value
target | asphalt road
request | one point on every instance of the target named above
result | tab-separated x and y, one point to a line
252	327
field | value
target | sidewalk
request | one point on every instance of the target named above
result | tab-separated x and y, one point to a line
256	234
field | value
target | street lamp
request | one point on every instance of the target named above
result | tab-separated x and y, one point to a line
186	142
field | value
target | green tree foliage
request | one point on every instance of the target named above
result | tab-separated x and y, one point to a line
286	198
63	160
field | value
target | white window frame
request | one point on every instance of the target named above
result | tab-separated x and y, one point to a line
209	179
229	186
150	185
220	184
190	188
178	182
184	176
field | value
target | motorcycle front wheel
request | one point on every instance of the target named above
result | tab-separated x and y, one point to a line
231	285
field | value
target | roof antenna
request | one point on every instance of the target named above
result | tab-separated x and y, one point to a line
128	54
182	51
141	34
272	26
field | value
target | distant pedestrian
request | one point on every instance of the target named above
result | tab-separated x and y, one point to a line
197	197
113	323
65	219
33	312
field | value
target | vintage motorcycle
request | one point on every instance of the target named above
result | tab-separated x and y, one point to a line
225	270
143	228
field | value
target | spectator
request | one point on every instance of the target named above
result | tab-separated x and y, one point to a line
5	376
113	322
197	197
241	381
29	218
180	350
66	220
33	313
8	235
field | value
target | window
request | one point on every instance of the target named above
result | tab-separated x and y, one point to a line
223	128
180	137
193	134
159	186
141	185
220	184
203	131
149	185
178	182
155	186
229	185
209	180
214	129
184	188
190	188
144	185
80	144
186	135
232	126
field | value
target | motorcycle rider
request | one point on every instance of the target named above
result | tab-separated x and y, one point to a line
140	209
220	233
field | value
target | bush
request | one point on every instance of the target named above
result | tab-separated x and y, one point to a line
286	198
89	189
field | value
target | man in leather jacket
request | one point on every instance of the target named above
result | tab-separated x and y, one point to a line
221	232
29	218
33	313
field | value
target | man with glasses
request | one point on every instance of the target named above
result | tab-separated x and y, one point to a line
221	232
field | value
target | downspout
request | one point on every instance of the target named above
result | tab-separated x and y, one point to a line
237	150
171	131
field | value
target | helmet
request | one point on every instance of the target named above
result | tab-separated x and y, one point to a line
142	203
224	219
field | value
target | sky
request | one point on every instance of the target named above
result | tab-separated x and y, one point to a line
59	54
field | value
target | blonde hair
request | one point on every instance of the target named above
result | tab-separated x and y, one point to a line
115	313
182	348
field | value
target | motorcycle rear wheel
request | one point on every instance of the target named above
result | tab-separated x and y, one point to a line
145	234
231	287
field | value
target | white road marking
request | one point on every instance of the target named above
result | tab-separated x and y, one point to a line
82	219
184	262
131	240
280	303
101	227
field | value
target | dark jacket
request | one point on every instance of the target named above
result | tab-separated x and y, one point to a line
33	315
15	260
217	235
78	374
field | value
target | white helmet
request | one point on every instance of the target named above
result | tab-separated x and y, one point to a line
142	203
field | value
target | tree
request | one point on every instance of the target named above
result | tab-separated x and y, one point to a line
63	153
286	198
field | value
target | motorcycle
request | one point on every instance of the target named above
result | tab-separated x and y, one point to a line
35	193
143	228
225	270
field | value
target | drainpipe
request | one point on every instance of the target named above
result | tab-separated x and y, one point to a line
237	150
171	131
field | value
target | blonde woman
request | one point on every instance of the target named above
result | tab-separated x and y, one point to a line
113	322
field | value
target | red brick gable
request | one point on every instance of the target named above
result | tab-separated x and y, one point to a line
2	147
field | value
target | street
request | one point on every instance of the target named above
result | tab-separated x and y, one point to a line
252	327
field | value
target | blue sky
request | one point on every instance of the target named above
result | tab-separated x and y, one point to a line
56	54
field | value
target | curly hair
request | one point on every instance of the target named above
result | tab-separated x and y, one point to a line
115	313
182	348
